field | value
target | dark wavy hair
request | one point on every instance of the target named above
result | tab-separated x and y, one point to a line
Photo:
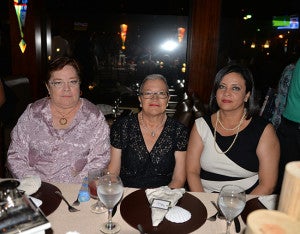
251	105
58	64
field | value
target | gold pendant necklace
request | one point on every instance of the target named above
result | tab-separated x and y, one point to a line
63	120
152	132
236	135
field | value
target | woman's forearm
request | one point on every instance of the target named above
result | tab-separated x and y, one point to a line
194	182
177	183
262	190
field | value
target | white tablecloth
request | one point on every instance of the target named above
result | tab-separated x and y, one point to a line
86	222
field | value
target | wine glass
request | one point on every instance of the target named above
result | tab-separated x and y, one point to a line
93	181
232	201
110	190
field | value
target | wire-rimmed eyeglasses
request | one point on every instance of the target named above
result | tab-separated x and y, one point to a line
60	84
160	95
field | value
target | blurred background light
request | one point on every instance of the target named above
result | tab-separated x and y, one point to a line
169	45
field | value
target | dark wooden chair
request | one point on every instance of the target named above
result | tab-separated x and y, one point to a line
20	97
189	109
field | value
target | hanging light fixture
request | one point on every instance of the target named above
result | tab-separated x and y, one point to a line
21	10
267	44
123	28
180	35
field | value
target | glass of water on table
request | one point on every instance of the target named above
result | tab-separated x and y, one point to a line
231	201
110	191
93	181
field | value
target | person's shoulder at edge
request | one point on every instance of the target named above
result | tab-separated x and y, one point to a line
258	124
205	118
126	118
257	118
179	129
176	123
89	109
38	105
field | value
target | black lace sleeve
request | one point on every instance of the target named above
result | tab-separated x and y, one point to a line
122	129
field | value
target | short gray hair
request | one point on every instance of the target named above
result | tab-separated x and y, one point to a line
154	77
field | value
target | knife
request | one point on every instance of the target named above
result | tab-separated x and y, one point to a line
114	209
237	224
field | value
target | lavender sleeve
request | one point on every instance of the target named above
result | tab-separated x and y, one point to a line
18	161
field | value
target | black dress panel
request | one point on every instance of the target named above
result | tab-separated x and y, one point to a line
243	151
143	169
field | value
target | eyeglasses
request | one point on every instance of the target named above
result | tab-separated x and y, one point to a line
60	84
160	95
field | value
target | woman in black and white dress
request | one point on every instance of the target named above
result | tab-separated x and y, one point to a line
233	145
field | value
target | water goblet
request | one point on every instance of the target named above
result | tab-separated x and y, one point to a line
93	181
232	201
110	190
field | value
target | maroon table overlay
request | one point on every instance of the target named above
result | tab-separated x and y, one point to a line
135	209
50	200
251	205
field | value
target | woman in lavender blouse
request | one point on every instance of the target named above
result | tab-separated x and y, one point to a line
62	136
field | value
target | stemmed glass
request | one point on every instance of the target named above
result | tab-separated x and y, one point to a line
110	190
93	181
232	201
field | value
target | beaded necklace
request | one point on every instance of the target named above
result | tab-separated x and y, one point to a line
227	129
236	135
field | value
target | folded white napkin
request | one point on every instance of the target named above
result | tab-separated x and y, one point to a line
269	201
162	197
30	184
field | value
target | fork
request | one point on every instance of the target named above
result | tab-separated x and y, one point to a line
213	217
217	214
70	208
76	202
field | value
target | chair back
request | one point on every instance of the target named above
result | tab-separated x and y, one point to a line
18	96
189	109
20	87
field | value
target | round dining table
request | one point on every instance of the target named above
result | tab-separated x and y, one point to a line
86	222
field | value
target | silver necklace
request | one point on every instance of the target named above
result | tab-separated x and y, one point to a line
236	135
152	132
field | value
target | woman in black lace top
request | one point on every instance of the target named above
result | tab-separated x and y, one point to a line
148	148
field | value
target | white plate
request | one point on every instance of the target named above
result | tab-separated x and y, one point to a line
30	184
